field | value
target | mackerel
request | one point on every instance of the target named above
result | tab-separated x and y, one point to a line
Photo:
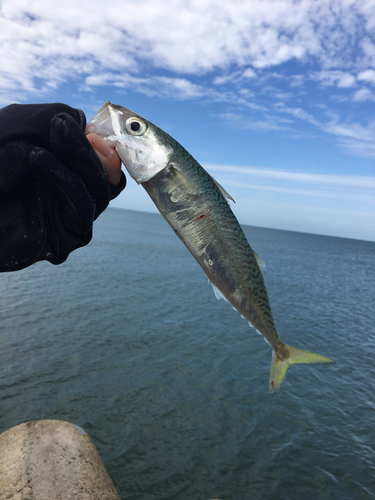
196	208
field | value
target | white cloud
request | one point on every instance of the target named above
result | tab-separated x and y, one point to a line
179	88
368	75
59	40
163	47
235	77
367	182
363	94
368	49
342	79
249	73
352	131
357	147
354	138
266	124
299	113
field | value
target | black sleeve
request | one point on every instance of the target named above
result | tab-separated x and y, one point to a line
52	184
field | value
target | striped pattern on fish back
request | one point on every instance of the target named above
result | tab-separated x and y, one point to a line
196	209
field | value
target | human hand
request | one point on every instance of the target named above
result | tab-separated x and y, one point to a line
52	183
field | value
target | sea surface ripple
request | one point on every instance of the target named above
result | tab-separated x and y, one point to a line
127	340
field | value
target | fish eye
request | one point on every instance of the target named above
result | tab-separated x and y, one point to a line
135	126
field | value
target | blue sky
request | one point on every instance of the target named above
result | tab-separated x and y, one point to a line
274	98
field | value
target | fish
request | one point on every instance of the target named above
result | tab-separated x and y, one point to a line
197	208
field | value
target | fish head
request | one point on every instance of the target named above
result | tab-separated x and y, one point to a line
142	148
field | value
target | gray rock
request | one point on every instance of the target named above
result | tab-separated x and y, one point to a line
52	460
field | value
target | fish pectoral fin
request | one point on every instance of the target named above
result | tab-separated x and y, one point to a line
221	189
291	356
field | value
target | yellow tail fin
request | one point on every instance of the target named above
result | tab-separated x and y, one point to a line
279	367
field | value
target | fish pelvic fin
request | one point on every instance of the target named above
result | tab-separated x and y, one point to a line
289	356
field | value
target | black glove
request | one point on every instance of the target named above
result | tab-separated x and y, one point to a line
52	184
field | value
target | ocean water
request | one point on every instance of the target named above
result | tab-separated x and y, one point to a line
127	340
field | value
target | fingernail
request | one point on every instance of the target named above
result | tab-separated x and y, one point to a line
102	147
101	157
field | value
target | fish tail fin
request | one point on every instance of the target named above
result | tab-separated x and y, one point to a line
290	356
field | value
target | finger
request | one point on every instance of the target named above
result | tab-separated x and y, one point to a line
108	156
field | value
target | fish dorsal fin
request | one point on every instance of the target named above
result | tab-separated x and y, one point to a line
260	262
221	189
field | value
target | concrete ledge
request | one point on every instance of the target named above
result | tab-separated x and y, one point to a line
52	460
